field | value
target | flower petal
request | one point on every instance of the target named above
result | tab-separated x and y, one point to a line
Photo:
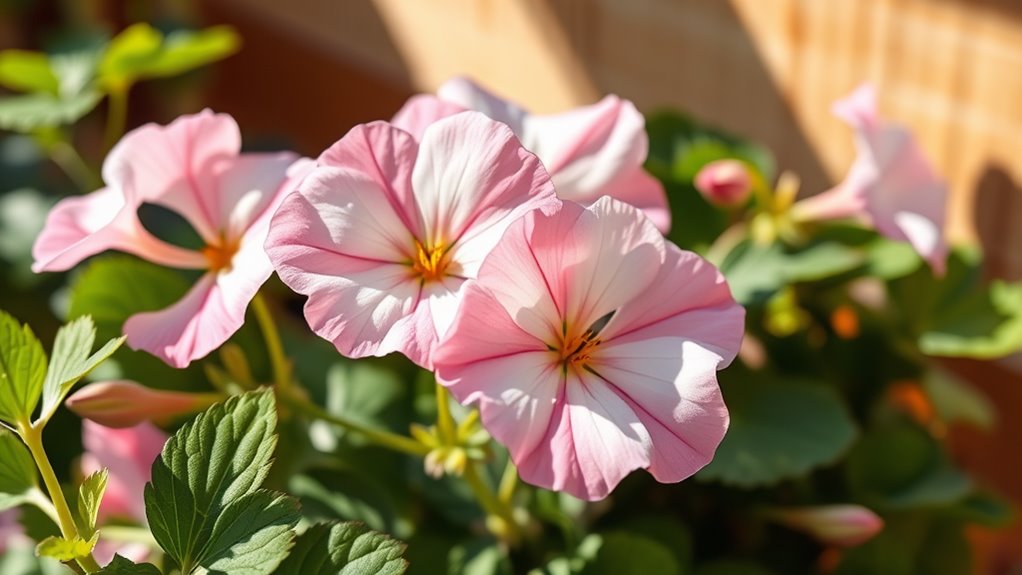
385	155
209	314
176	166
471	96
82	226
593	441
472	178
638	188
250	186
420	111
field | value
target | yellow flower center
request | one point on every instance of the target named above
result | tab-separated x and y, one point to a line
577	351
430	262
219	255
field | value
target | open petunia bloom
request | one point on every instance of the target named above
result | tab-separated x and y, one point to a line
193	167
128	454
383	233
591	346
891	185
590	151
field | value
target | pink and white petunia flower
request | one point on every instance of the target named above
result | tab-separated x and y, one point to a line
590	151
891	185
193	167
591	346
128	454
384	232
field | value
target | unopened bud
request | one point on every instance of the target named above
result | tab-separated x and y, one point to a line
120	404
838	525
724	182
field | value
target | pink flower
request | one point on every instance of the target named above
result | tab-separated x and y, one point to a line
384	231
12	534
590	151
129	454
724	182
193	167
891	185
839	525
121	404
581	400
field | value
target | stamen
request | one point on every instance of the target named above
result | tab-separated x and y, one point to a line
220	255
430	263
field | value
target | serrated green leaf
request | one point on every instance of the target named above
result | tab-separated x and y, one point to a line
344	548
22	370
141	51
207	466
252	535
70	361
66	549
26	71
90	494
627	554
17	471
34	111
121	566
779	430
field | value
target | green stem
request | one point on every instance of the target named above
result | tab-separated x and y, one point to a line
278	359
77	169
492	504
377	436
444	419
33	438
40	500
116	114
508	483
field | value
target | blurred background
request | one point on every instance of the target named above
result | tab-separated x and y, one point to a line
308	70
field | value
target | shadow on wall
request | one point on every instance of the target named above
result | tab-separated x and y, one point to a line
998	213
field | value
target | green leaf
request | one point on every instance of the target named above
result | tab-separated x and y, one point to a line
344	548
252	535
957	316
733	567
627	554
34	111
141	51
478	557
90	494
779	430
22	560
66	549
755	272
680	147
22	370
27	72
957	400
17	471
121	566
888	259
902	467
71	361
203	503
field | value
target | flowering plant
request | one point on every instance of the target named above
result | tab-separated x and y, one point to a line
504	318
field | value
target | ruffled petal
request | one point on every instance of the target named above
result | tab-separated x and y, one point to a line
422	110
593	441
82	226
250	186
638	188
177	166
472	179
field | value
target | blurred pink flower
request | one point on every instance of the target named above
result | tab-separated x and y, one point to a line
193	167
385	230
121	404
724	182
12	534
590	151
839	525
579	400
129	455
891	185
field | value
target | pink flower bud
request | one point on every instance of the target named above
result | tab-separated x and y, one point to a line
121	404
724	182
838	525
